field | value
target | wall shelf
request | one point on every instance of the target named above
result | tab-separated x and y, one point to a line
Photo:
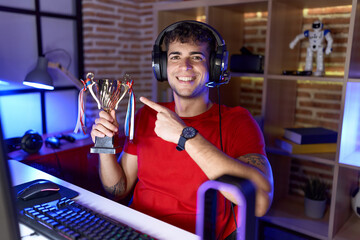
252	75
289	213
308	78
323	158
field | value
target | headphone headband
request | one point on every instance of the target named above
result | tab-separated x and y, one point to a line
218	58
219	40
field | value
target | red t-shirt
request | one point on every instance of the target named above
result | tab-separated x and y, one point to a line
168	180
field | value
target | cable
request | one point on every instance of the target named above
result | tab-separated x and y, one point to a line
30	235
219	103
59	164
221	145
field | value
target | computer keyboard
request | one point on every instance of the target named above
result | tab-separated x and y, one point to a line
66	219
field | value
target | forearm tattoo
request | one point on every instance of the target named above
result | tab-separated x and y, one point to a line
256	160
117	189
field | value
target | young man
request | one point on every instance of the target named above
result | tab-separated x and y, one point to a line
167	179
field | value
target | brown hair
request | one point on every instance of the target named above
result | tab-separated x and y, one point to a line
187	32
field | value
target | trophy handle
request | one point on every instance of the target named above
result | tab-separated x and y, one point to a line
93	94
123	94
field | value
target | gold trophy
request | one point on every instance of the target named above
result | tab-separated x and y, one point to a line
108	94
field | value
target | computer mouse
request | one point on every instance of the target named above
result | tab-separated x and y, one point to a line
38	189
68	138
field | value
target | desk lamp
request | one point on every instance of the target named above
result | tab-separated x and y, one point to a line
39	77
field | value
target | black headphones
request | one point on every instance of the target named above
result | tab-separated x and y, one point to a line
31	142
218	58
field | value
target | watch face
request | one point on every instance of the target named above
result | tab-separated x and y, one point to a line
189	132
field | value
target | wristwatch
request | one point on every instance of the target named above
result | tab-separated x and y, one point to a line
187	133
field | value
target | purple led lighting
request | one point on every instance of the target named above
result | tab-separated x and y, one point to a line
225	187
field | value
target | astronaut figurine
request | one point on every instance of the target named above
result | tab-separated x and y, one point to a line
316	44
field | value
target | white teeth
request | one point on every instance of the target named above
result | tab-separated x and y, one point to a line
186	79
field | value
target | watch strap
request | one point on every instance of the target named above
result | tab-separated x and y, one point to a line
181	143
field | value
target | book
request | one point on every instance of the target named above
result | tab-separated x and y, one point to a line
310	135
295	148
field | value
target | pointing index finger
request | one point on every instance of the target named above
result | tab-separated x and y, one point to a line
152	104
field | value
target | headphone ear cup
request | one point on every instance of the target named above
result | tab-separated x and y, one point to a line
212	67
159	63
219	64
156	63
163	66
31	142
215	67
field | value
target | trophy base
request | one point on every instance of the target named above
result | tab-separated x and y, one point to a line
108	145
105	150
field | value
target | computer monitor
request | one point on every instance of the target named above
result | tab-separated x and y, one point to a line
9	226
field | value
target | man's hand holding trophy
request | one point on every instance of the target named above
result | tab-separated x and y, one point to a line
108	93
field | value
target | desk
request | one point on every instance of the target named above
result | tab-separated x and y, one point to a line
22	173
71	162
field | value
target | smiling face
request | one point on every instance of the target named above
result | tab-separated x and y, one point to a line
188	48
188	68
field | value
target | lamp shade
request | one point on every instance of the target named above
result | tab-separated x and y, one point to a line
39	77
